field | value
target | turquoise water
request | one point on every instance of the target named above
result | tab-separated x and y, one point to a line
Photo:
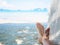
19	34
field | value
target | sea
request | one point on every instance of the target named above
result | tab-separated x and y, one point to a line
19	34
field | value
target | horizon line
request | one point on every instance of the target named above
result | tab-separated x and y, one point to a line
31	10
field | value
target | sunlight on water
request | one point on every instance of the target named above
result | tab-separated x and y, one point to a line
18	34
18	41
25	31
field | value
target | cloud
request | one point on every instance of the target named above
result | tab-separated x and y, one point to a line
5	5
31	5
24	18
24	5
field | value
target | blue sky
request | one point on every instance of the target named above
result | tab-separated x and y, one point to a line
18	17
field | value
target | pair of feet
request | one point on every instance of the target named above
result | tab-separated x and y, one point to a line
44	34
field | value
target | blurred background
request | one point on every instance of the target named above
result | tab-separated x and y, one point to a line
18	20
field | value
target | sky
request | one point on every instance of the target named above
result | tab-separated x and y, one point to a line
24	17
